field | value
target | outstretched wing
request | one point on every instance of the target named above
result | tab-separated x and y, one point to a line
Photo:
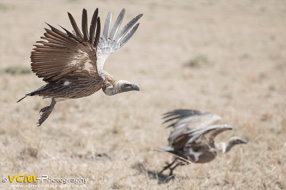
182	136
62	54
206	134
109	42
184	122
190	118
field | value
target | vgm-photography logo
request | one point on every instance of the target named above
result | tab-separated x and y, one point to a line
42	179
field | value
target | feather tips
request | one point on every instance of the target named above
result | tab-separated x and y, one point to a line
84	25
117	24
106	26
59	53
92	26
110	41
74	25
97	33
127	27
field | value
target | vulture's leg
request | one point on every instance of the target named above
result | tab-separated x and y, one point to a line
172	169
168	166
46	111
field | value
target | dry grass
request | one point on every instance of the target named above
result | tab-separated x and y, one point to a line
111	140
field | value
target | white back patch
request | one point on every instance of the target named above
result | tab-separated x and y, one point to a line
67	83
101	58
222	146
195	154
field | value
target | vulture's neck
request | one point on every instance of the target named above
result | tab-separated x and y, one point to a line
229	146
224	147
112	90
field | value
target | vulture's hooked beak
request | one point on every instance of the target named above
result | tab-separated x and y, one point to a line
243	141
130	87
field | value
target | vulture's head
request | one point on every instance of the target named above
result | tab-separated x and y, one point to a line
125	86
234	141
119	87
237	140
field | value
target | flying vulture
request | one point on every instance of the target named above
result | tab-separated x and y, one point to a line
192	138
71	63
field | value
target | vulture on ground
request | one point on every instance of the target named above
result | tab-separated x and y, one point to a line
193	137
72	63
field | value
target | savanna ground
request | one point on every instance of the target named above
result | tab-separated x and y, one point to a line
225	57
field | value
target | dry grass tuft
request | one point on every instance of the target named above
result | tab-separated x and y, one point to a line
197	61
16	70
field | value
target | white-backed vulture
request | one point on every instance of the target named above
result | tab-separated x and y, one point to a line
72	63
193	137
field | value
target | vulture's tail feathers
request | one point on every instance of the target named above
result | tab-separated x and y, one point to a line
23	98
42	88
165	149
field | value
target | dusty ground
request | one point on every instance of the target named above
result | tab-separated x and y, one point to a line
224	57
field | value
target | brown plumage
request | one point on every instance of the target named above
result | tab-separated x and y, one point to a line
72	63
192	138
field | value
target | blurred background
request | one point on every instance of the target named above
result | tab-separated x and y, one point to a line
224	57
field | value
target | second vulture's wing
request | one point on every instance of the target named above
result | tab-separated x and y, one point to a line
190	118
206	134
183	121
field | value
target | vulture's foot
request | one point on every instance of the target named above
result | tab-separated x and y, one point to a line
173	168
167	166
46	111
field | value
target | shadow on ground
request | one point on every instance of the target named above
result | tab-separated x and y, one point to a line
162	178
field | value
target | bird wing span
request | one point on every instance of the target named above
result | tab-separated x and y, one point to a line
190	119
62	54
207	134
109	42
